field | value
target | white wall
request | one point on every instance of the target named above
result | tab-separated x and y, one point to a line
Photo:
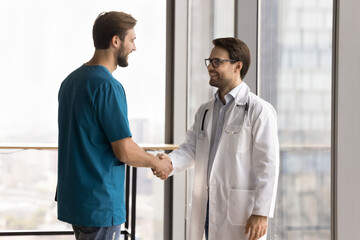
246	30
180	104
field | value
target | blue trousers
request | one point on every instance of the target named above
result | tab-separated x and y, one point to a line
97	233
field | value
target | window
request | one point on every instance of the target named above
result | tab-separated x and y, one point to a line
206	22
43	41
295	76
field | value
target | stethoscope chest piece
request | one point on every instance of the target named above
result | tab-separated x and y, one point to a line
201	135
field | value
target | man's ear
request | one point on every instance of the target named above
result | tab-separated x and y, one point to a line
239	65
115	41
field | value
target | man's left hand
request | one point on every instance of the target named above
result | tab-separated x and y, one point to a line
257	226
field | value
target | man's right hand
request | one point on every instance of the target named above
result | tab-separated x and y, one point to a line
163	167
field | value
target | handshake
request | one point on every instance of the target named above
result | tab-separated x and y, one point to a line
163	166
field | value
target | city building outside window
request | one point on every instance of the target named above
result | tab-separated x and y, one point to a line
295	54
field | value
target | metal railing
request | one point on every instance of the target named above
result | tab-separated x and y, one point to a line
130	189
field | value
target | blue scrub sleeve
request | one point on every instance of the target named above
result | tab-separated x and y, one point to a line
111	108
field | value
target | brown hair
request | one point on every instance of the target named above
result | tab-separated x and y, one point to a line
109	24
237	50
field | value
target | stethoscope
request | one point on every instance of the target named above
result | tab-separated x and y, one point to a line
202	132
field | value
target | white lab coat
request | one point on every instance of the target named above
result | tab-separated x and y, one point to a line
244	176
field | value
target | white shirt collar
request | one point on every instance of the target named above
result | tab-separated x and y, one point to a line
230	95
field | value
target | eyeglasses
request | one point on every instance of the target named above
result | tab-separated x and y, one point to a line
215	62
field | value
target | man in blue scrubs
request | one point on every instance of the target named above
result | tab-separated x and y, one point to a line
94	136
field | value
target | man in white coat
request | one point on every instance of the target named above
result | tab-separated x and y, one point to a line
234	147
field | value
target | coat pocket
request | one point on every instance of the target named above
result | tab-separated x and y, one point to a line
238	138
240	206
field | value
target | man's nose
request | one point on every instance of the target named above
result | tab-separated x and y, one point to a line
210	67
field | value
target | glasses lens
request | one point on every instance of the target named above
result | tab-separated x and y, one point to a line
207	62
216	62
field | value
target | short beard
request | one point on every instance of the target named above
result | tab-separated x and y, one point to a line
215	83
212	83
122	58
122	61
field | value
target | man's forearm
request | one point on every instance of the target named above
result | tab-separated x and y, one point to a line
128	152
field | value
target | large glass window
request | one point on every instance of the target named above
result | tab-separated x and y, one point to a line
295	76
207	21
42	42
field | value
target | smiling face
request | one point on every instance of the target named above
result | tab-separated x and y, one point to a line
226	76
126	47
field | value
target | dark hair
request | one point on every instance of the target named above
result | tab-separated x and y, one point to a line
237	50
109	24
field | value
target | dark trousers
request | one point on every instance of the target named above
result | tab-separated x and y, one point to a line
207	221
97	233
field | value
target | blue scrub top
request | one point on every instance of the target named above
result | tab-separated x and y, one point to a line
92	114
